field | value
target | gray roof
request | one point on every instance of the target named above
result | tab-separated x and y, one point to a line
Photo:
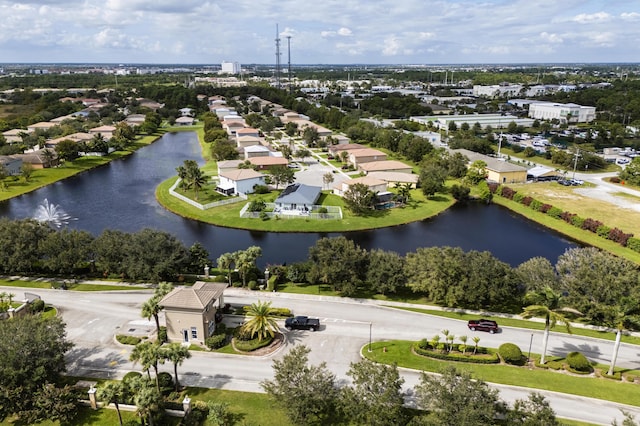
299	193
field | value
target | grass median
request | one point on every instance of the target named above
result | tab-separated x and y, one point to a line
399	352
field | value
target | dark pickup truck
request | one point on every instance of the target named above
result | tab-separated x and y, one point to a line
302	323
483	325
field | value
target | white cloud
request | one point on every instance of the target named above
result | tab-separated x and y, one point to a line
593	18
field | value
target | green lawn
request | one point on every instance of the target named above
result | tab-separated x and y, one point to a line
420	208
399	352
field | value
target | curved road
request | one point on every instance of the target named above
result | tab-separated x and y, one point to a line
93	318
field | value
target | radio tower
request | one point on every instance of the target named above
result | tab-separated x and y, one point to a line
289	63
277	57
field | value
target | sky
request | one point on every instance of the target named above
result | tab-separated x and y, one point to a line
322	31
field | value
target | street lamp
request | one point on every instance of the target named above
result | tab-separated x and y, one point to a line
370	324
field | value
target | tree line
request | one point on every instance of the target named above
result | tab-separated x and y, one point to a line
594	282
33	247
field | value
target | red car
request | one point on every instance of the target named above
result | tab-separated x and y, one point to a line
483	325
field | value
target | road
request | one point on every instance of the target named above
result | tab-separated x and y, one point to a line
93	318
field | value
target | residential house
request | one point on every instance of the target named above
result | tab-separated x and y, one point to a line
385	166
190	312
252	151
497	170
11	164
393	178
367	155
297	198
184	121
263	163
40	159
374	185
239	181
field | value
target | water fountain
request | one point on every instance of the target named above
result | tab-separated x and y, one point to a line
52	214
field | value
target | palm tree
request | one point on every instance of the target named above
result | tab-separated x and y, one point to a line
176	353
463	339
547	304
151	308
149	355
225	261
625	316
261	321
113	392
476	340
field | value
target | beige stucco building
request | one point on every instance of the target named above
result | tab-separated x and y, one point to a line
190	312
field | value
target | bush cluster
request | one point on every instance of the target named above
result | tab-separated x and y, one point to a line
128	340
614	234
578	362
511	354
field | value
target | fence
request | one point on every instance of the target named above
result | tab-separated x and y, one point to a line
271	211
239	198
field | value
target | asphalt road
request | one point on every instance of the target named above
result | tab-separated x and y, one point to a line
93	318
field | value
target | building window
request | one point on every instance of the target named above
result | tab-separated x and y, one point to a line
194	333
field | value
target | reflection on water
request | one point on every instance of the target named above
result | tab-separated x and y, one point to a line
122	196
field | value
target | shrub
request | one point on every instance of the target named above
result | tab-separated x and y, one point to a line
508	192
591	225
619	237
162	334
526	201
216	341
603	231
535	205
128	340
555	212
517	197
634	244
578	362
511	354
37	305
545	208
577	221
166	382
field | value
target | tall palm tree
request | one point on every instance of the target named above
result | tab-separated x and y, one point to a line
624	317
113	392
176	353
152	308
149	355
548	304
261	320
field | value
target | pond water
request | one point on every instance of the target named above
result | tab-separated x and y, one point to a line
121	196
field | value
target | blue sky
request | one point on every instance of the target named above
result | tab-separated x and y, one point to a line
322	32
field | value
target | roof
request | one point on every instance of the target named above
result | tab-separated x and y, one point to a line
268	161
366	152
197	297
299	193
376	166
493	164
241	174
394	177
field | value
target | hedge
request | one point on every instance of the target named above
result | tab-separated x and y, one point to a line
488	357
251	345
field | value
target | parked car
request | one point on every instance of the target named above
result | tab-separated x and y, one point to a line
302	323
483	325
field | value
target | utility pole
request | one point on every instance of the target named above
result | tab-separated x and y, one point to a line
277	57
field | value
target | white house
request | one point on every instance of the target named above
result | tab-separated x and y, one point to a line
241	181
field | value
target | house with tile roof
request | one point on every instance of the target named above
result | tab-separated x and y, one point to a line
190	312
239	181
